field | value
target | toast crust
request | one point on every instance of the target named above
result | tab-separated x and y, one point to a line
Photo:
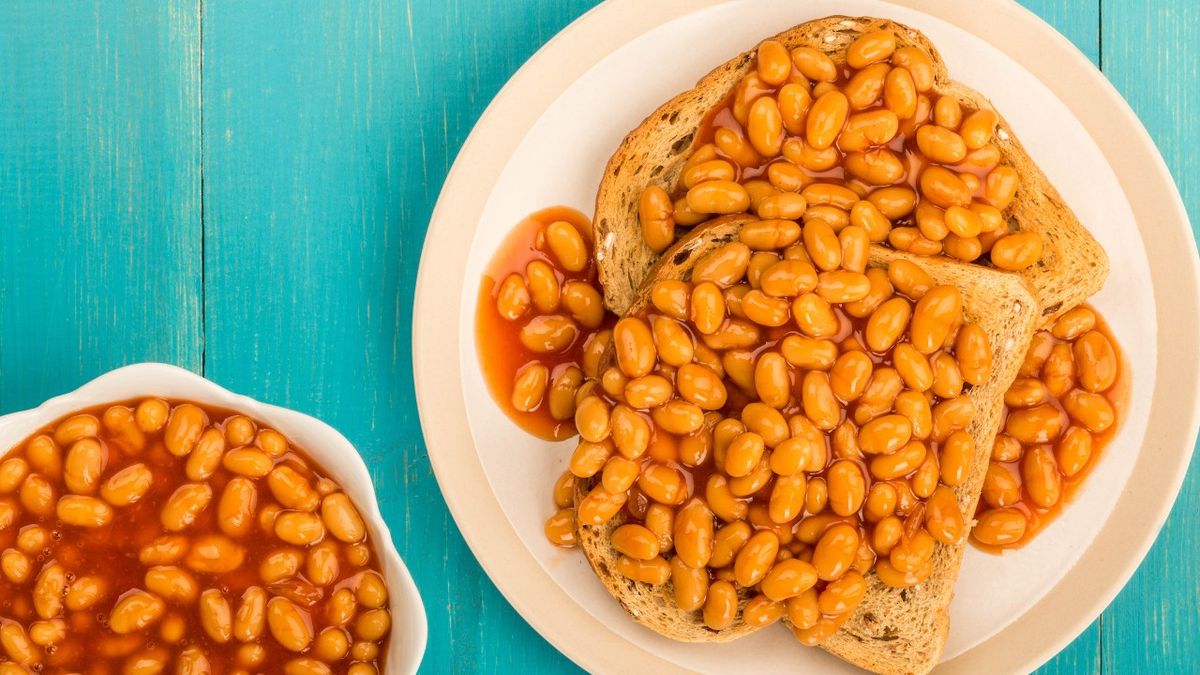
893	630
1073	266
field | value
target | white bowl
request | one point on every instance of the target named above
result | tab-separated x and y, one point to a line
329	448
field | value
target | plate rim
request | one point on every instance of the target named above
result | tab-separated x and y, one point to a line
1142	173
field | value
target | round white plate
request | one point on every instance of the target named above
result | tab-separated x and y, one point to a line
328	447
545	141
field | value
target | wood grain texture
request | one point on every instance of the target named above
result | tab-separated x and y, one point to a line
99	191
1150	53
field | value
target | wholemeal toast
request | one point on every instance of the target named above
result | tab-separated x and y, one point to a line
1073	265
893	630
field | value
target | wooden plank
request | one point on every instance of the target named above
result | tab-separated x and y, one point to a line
1080	23
327	134
99	191
1151	55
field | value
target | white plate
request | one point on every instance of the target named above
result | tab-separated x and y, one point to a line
545	141
329	448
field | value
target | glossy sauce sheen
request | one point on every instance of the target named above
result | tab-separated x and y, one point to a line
1037	518
501	354
111	552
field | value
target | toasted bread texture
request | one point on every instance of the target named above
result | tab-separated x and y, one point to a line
893	630
1073	266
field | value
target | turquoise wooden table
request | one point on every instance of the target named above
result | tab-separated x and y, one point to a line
242	189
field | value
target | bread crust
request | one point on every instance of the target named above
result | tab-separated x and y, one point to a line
893	630
1073	266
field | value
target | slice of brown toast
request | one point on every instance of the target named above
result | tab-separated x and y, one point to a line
1073	266
893	630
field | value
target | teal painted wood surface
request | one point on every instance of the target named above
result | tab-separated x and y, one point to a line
256	214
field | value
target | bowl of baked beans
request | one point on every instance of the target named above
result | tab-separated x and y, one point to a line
152	521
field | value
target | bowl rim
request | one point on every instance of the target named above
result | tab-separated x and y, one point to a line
1154	483
405	599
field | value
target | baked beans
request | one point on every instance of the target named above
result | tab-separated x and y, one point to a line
782	457
541	326
869	145
228	565
1059	415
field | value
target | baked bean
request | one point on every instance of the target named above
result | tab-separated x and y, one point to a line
835	551
44	456
887	323
826	118
865	87
248	462
955	457
819	401
756	558
847	487
772	381
842	595
1073	323
787	497
947	112
944	188
764	127
183	429
947	378
1096	361
936	314
678	417
563	388
865	129
847	380
339	609
914	406
660	520
1000	487
1006	449
85	462
299	528
843	286
592	419
978	127
529	387
870	48
765	310
899	463
734	146
1015	252
722	501
342	518
655	571
999	527
1058	373
289	625
694	534
136	610
950	416
885	435
814	64
769	235
718	196
1025	393
1092	411
1073	451
1039	424
560	528
214	554
1000	188
912	553
513	298
663	484
185	505
47	633
744	454
635	541
12	473
881	393
707	311
974	354
83	511
321	565
16	566
721	605
787	205
814	316
568	246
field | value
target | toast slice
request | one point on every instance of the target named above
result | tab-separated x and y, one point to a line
1073	266
893	630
